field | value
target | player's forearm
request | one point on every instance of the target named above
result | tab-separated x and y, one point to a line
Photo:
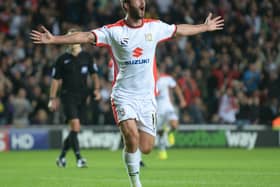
179	94
96	81
54	88
74	38
187	30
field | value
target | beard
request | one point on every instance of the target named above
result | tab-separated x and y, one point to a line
137	13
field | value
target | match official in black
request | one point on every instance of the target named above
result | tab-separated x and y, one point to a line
71	71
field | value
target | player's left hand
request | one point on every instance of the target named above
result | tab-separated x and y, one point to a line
213	24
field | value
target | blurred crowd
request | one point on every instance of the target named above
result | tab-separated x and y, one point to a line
227	77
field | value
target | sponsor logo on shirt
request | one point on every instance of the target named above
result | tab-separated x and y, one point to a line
140	61
137	52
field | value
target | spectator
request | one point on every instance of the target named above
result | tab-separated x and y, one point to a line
228	107
192	96
21	109
251	79
41	117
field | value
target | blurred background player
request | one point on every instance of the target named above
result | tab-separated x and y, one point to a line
167	120
73	68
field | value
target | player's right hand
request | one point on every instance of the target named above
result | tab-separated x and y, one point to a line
53	105
44	37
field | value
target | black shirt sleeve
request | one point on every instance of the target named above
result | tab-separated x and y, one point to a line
92	66
57	68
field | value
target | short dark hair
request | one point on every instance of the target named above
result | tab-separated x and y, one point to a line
122	3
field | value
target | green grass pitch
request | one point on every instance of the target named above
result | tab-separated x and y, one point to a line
184	168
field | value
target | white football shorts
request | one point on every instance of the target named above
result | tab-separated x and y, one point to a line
142	110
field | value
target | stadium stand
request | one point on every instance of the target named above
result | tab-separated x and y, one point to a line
230	77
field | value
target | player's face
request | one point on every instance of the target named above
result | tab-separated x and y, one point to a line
136	8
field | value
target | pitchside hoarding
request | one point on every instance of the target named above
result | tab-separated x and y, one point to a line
92	139
29	139
222	138
4	140
104	138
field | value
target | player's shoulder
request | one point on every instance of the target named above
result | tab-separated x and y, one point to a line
152	23
119	23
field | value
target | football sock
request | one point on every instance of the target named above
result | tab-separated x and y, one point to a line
162	144
171	136
66	146
133	168
75	144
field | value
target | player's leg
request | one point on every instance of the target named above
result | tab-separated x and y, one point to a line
162	135
71	112
79	111
125	114
131	152
162	145
147	125
75	127
61	160
173	127
68	107
146	142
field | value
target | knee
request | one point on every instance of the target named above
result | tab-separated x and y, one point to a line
174	124
146	149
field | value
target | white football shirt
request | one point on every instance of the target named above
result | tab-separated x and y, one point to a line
133	52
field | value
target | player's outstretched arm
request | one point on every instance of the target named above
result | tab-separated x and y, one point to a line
46	37
211	24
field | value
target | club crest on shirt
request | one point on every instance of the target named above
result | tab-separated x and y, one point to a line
124	42
121	112
67	61
149	37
